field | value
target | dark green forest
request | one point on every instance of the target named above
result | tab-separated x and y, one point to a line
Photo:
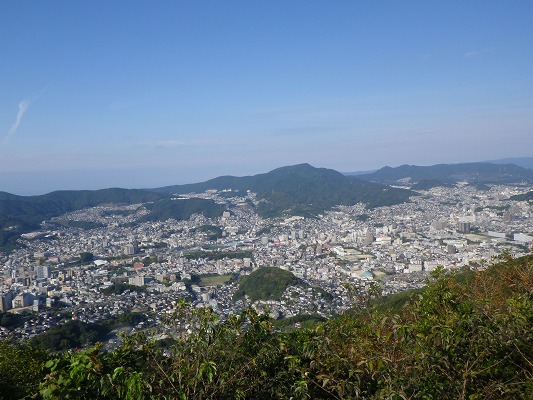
265	284
467	335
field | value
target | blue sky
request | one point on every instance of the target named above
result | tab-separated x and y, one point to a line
137	94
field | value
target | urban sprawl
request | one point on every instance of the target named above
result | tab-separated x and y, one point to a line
395	247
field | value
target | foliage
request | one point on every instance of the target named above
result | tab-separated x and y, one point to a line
212	232
11	229
21	369
394	303
128	318
86	225
86	257
265	284
70	335
181	209
217	361
305	321
119	288
523	197
10	320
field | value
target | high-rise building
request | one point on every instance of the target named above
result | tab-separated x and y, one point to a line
463	227
43	271
131	249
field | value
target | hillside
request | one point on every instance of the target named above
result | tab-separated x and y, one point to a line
34	209
453	173
266	283
20	214
467	335
181	209
300	190
524	162
293	190
426	184
523	197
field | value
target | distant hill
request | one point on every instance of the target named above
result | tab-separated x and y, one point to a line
300	190
477	173
294	190
524	162
35	209
20	214
357	173
426	184
182	209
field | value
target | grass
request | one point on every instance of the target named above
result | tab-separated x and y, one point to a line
215	280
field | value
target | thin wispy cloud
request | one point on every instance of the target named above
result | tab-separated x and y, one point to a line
476	53
472	53
22	108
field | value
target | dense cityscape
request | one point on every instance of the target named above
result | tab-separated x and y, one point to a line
67	269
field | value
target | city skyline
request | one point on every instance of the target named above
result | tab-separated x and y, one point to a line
135	95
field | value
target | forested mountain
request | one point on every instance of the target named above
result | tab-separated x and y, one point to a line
524	162
35	209
20	214
426	184
467	335
300	190
180	209
453	173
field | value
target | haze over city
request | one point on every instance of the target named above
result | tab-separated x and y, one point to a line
139	94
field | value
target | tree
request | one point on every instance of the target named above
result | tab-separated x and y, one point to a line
86	257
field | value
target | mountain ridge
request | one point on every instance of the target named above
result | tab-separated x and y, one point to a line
299	190
452	173
291	190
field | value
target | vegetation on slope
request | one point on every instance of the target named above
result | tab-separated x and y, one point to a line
467	338
182	209
20	214
426	184
70	335
301	190
523	197
453	173
266	283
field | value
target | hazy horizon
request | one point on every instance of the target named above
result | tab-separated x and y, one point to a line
76	183
137	95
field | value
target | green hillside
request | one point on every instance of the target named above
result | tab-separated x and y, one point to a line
426	184
301	190
453	173
266	283
523	197
35	209
294	190
181	209
20	214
